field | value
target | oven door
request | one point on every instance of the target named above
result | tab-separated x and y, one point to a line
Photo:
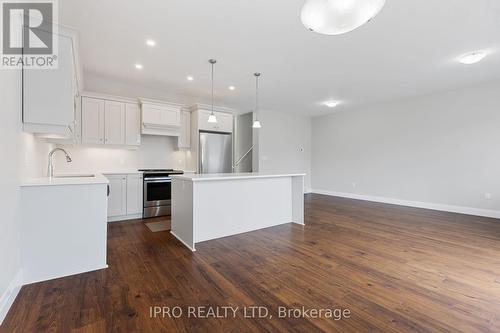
157	191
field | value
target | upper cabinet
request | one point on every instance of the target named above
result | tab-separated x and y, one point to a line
160	118
110	122
50	95
132	124
114	123
92	120
201	112
224	121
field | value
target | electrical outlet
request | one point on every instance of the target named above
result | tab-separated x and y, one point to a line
487	196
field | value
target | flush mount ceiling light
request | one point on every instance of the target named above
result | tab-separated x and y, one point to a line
212	118
472	57
256	122
150	43
190	78
335	17
331	104
232	87
138	66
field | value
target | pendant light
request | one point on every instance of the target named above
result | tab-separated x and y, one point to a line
212	118
256	123
335	17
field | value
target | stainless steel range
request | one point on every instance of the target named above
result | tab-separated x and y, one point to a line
158	191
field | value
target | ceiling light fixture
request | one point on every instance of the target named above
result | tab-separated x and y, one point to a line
232	87
150	42
331	104
212	118
190	78
472	57
335	17
256	123
138	66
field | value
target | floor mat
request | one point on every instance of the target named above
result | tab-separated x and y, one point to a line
158	226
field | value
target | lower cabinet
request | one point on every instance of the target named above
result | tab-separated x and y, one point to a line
125	197
134	194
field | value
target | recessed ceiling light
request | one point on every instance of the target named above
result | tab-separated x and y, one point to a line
190	78
472	57
150	42
232	87
138	66
331	104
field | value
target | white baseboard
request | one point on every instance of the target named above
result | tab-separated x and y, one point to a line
31	280
183	242
417	204
8	297
125	217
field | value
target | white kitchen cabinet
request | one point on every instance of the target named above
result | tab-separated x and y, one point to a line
49	94
110	122
114	123
117	199
160	118
199	122
134	194
132	124
224	121
92	120
184	141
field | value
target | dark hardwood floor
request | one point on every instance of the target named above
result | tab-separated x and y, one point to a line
395	269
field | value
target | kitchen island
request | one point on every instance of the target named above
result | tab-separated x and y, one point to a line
210	206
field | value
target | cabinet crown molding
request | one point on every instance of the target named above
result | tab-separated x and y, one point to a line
156	102
200	106
92	94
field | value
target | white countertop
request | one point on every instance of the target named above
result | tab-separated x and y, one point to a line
67	180
229	176
123	172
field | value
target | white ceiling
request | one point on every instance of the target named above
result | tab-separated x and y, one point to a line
409	49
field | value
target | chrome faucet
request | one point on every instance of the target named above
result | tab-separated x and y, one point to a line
50	168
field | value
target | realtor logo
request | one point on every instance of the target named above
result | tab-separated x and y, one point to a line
28	34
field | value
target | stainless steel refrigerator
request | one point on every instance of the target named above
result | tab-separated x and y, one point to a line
216	152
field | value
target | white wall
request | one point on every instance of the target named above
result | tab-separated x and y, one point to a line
242	141
285	143
22	157
154	152
442	149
